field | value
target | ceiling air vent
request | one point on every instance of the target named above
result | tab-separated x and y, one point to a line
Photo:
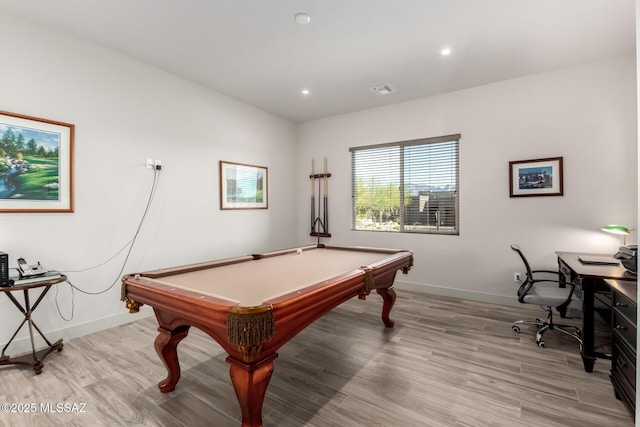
383	90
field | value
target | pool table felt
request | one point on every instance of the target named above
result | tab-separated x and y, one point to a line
254	282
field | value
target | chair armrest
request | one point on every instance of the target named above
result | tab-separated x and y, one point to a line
561	280
549	280
546	271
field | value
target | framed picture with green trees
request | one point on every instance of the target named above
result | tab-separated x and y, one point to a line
243	186
36	164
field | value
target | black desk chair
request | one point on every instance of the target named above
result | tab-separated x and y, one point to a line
542	287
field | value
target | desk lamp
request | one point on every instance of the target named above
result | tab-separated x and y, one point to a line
622	230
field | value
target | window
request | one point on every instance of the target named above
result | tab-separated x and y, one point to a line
408	187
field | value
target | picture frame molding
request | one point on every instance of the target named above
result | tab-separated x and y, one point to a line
557	187
226	168
65	202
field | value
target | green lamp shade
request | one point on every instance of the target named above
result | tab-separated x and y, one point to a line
617	229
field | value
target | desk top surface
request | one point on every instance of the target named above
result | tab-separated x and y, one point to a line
625	287
250	282
617	272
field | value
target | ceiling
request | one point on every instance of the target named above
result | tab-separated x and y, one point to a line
255	51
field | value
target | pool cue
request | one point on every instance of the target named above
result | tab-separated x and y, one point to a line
319	206
326	198
313	198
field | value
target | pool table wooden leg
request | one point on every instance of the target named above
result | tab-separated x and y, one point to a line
166	345
388	299
250	382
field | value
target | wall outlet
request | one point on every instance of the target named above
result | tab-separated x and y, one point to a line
517	277
148	163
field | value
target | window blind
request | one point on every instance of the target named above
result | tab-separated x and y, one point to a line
408	186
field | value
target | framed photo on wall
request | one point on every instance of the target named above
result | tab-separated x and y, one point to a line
36	164
537	177
243	186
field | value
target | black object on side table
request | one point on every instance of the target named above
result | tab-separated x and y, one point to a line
36	358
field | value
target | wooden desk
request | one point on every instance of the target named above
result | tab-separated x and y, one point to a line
591	279
36	358
623	321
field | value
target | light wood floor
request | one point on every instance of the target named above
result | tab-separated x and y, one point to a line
447	362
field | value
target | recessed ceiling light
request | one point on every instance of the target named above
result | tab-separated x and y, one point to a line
305	91
446	51
302	18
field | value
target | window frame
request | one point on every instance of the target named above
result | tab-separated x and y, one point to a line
404	210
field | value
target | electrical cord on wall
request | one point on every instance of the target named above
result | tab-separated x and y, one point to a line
130	244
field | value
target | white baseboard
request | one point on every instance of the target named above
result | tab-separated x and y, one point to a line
473	296
457	293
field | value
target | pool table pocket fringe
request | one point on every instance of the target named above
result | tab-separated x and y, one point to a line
248	330
133	306
369	281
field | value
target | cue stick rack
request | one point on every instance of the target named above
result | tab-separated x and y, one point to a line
320	223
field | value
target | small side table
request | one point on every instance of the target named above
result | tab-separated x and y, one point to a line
36	358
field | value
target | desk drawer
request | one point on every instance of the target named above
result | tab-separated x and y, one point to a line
624	306
624	391
624	329
624	363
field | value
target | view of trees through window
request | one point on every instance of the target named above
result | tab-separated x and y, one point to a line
409	186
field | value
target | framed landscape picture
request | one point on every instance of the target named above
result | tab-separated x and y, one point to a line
243	186
36	164
538	177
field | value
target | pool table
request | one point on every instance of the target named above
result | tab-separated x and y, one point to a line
253	305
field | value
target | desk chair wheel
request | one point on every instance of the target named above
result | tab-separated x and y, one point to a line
516	329
540	344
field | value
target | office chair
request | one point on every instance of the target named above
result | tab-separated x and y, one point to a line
542	287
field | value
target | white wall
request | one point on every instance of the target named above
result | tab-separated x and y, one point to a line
585	114
125	111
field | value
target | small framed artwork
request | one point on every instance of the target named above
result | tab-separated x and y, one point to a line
36	164
537	177
243	186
